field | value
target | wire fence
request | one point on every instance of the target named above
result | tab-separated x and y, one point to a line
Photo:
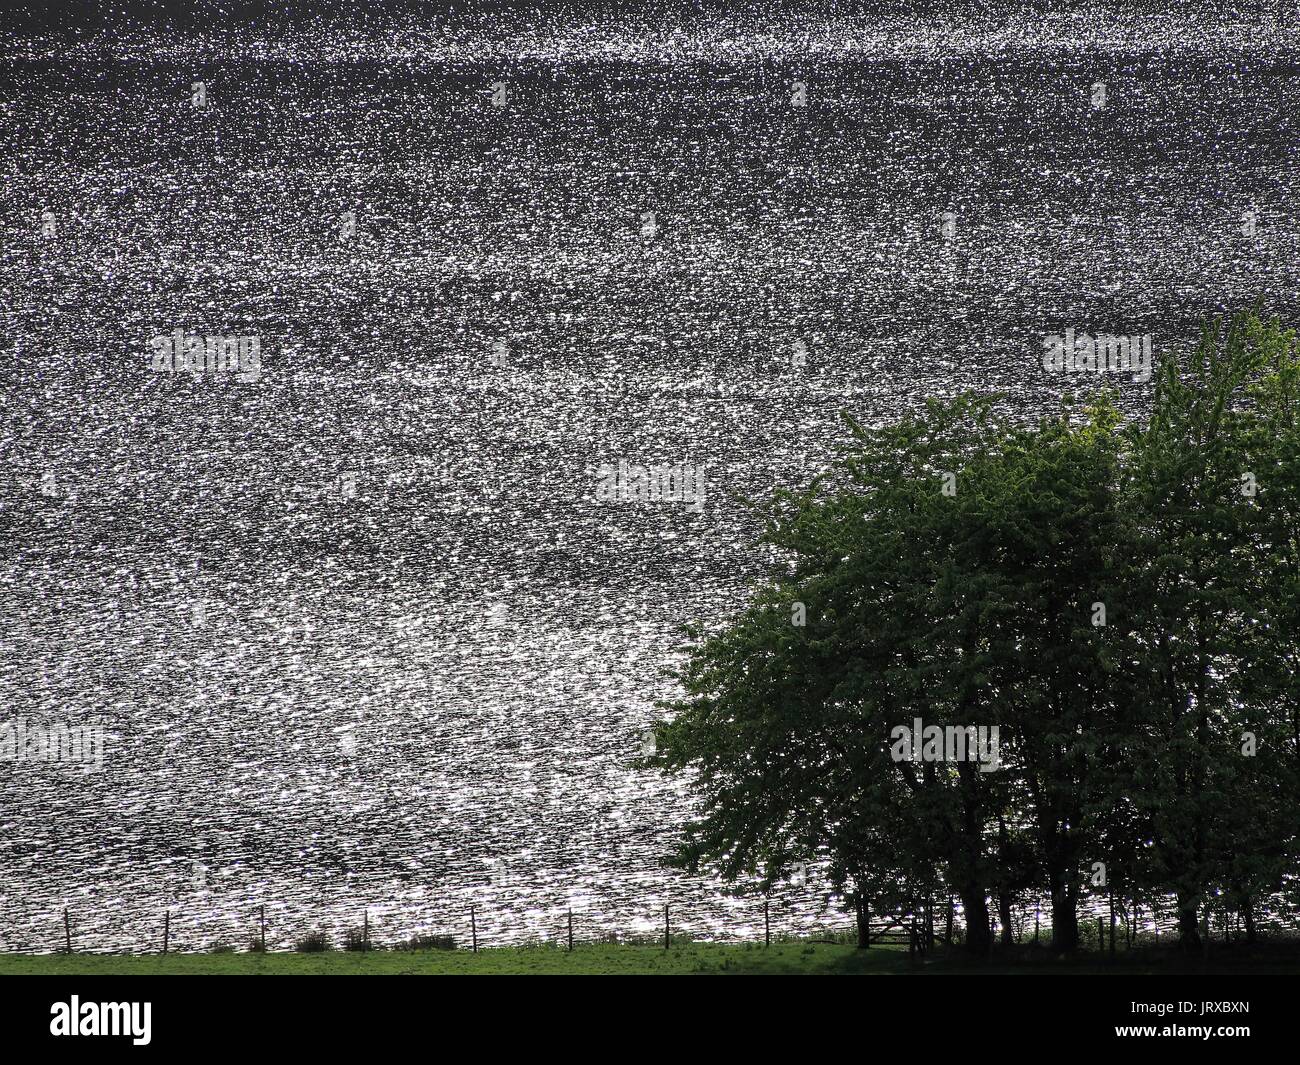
1104	924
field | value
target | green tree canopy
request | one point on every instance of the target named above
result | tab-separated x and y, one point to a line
1119	600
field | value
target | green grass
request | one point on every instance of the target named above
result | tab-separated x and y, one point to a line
599	959
797	957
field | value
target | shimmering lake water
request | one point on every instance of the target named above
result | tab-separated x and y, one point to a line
358	632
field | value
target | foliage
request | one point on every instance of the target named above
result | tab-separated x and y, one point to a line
313	943
1119	599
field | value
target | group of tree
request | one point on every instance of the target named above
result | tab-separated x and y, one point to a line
1119	596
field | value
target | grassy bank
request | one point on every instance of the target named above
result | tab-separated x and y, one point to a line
808	958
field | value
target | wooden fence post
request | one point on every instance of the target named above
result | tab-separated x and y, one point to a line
767	924
365	931
262	920
67	930
473	929
167	929
570	929
667	928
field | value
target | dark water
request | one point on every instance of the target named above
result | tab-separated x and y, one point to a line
358	632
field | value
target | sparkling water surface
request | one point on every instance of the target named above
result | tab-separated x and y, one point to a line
358	632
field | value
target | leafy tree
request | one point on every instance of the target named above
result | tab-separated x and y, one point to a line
1106	595
1207	588
914	587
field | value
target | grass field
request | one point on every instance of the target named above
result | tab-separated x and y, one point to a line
808	958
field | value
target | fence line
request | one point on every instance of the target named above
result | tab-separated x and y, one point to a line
916	929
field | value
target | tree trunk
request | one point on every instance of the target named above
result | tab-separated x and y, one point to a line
1112	923
970	847
1189	935
1065	914
976	912
1248	915
1059	860
864	921
1004	893
1004	918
